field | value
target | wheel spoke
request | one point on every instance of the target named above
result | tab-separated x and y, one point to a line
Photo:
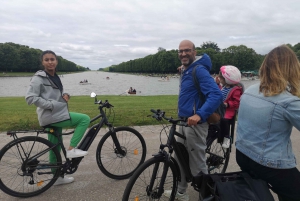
217	157
31	177
116	165
138	185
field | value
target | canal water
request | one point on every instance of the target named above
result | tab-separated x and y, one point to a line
102	83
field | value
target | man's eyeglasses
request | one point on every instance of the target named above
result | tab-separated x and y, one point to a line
185	51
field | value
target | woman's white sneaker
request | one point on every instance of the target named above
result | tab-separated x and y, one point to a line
75	153
63	180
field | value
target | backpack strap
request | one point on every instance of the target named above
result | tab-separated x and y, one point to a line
196	83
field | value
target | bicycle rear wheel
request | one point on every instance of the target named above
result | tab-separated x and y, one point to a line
22	176
114	164
217	157
138	187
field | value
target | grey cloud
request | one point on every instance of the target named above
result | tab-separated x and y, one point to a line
99	33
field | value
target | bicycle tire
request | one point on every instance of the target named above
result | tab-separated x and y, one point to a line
114	165
217	157
138	184
13	167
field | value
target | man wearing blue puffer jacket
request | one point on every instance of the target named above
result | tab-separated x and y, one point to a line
189	106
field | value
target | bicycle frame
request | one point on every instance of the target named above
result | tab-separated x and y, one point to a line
91	135
172	146
71	165
164	169
93	131
32	163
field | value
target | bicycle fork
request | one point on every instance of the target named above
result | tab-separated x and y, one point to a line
157	192
118	150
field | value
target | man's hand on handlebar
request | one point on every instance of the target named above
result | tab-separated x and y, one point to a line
193	120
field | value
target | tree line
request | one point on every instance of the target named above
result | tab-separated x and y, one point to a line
21	58
246	59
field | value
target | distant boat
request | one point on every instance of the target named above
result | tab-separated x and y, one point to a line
84	83
130	93
163	80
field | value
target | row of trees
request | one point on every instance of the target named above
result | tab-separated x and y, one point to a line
246	59
21	58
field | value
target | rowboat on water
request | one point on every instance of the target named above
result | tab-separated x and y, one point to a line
84	83
128	92
164	79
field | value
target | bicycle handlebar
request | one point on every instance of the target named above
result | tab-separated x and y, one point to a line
104	104
159	115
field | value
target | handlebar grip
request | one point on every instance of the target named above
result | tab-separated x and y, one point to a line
153	110
185	124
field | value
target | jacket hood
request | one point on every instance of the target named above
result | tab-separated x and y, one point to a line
41	73
203	60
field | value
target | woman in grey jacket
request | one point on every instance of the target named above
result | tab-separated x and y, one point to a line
46	93
268	112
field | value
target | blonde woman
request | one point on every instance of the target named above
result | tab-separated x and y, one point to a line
268	112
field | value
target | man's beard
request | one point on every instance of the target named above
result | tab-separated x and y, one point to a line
189	62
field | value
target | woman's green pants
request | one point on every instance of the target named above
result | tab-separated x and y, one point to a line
77	120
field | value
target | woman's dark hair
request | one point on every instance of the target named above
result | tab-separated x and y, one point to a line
47	52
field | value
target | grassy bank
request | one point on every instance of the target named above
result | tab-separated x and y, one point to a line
15	114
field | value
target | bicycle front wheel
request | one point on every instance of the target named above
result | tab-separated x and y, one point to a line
118	165
144	183
217	157
25	169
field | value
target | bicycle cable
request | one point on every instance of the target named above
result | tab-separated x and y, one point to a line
164	129
108	114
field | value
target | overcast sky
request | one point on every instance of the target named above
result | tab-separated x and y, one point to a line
99	33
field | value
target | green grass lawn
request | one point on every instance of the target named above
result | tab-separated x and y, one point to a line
15	114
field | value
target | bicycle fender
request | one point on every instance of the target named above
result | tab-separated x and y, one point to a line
159	155
177	168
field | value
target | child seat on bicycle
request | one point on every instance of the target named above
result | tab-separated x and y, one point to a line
232	89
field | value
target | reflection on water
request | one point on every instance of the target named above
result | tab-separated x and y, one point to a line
102	83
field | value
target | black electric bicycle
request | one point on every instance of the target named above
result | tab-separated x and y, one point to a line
162	172
25	169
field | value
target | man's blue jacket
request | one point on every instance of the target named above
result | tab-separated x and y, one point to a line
189	102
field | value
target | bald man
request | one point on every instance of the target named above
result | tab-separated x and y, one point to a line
191	107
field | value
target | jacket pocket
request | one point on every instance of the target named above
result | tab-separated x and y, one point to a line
60	111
